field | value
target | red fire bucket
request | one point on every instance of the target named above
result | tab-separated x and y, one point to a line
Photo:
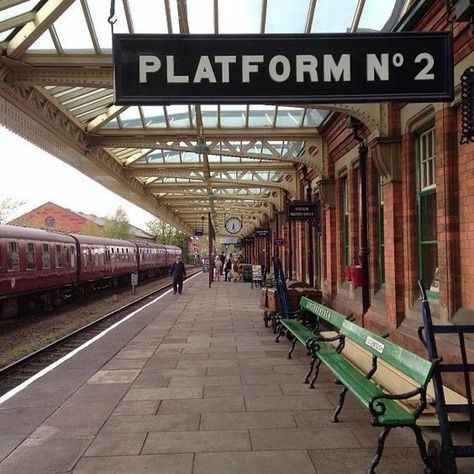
348	273
356	275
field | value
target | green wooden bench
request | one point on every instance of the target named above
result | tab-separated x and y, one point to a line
384	406
297	331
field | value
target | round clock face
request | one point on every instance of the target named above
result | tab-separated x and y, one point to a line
233	225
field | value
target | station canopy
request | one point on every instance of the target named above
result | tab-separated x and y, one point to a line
179	162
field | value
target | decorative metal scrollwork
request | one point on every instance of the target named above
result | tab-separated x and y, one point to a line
377	408
467	94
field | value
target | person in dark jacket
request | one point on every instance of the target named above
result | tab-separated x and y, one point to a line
178	272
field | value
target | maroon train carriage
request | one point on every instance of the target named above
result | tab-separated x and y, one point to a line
37	263
152	259
104	261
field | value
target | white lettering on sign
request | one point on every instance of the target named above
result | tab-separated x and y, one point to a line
250	64
378	346
170	75
281	68
284	64
225	61
204	71
148	64
335	71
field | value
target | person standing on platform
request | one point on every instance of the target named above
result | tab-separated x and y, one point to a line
217	268
178	272
222	258
227	268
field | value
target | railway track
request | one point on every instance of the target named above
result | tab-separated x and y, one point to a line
18	372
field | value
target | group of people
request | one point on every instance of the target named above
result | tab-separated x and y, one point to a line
225	265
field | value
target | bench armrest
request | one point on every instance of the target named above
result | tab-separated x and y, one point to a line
377	407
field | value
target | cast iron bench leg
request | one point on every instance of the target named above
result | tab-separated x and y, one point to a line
422	448
279	332
293	344
311	367
315	377
379	452
342	397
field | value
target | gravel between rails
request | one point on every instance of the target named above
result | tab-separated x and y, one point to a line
17	342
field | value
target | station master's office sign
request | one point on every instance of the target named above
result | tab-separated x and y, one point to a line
272	69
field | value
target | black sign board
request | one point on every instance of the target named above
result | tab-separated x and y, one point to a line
272	69
198	232
262	232
248	240
301	211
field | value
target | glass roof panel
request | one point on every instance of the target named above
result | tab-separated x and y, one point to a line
130	118
233	115
200	16
72	31
314	118
325	20
153	20
209	115
289	117
261	115
100	11
178	116
4	34
16	10
286	17
154	116
375	14
190	157
241	16
172	157
43	43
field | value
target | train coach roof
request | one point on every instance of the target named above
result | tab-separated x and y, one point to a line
149	245
92	240
26	233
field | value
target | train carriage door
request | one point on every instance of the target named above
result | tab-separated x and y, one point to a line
45	257
30	256
13	256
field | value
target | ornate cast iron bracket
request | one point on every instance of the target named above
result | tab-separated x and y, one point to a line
467	107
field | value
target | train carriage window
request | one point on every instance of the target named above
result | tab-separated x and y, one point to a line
45	257
30	256
89	256
59	256
73	257
13	257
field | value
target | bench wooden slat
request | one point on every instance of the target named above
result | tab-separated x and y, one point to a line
332	317
301	332
411	364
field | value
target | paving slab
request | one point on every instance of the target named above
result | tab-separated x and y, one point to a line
262	462
148	424
162	464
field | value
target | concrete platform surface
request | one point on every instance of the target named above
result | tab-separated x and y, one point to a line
194	383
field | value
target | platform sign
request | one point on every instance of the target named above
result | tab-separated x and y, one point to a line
276	69
262	232
198	232
301	211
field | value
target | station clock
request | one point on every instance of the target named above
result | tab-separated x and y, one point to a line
233	225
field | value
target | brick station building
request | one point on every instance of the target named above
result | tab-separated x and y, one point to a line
420	193
51	216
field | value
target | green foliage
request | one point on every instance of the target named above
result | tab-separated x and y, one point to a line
91	228
7	206
118	226
167	235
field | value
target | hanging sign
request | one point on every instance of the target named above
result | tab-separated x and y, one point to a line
199	231
301	211
273	69
262	232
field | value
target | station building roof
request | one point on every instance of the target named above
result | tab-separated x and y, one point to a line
179	162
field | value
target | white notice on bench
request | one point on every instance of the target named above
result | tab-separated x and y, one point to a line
378	346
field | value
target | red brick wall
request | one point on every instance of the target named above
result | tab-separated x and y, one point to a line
65	220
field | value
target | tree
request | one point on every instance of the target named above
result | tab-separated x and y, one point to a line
118	226
91	228
167	235
7	206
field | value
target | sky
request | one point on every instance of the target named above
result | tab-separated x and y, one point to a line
28	174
